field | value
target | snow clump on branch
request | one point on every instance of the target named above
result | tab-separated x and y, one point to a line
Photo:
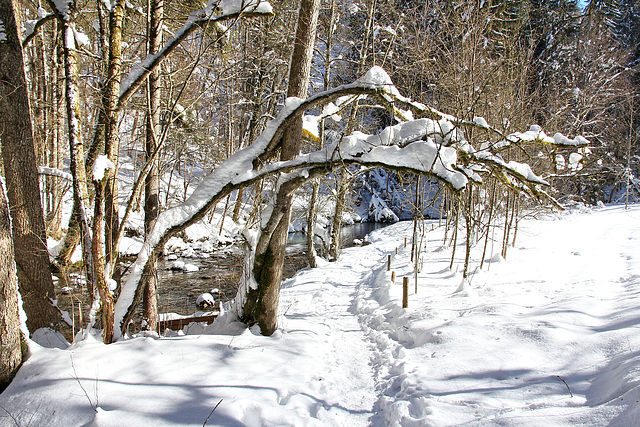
100	166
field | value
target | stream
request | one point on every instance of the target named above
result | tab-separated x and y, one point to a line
178	290
220	270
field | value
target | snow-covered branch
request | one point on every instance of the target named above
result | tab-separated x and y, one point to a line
31	27
433	145
44	170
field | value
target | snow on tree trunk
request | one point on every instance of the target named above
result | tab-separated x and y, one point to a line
311	225
76	148
336	225
102	280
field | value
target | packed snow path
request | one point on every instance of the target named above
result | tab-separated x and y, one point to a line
549	337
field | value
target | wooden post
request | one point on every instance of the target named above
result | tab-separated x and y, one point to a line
393	277
396	251
405	242
388	262
405	292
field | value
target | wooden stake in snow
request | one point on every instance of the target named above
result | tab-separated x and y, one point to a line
405	292
388	262
393	277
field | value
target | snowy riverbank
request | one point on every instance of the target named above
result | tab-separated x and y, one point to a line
547	337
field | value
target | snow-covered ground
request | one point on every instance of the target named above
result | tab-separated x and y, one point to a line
548	337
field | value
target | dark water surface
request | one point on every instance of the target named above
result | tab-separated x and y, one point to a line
178	290
221	270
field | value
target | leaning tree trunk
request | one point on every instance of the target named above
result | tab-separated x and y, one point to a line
10	349
261	304
23	190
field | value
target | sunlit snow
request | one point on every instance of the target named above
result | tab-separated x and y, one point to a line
547	337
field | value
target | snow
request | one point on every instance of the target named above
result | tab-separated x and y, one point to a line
563	307
44	170
63	7
480	121
310	126
100	166
205	299
560	139
535	133
229	7
81	38
380	212
574	161
191	267
378	77
3	35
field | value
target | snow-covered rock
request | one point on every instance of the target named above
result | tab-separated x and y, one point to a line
205	300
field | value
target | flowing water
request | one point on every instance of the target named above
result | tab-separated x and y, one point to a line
178	290
221	270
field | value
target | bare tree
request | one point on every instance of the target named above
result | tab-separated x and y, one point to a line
151	190
23	191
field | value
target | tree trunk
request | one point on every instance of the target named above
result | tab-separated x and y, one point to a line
468	219
16	133
152	200
76	149
106	298
112	143
328	53
261	305
10	349
311	225
336	226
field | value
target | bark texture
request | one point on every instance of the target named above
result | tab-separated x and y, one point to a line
10	352
23	191
262	304
106	297
112	142
152	199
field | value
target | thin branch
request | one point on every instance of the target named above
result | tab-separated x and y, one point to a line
15	420
75	375
211	413
196	20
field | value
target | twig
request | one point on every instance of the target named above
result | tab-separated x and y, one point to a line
75	375
211	413
33	414
12	417
565	383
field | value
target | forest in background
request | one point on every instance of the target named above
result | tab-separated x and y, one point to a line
566	67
